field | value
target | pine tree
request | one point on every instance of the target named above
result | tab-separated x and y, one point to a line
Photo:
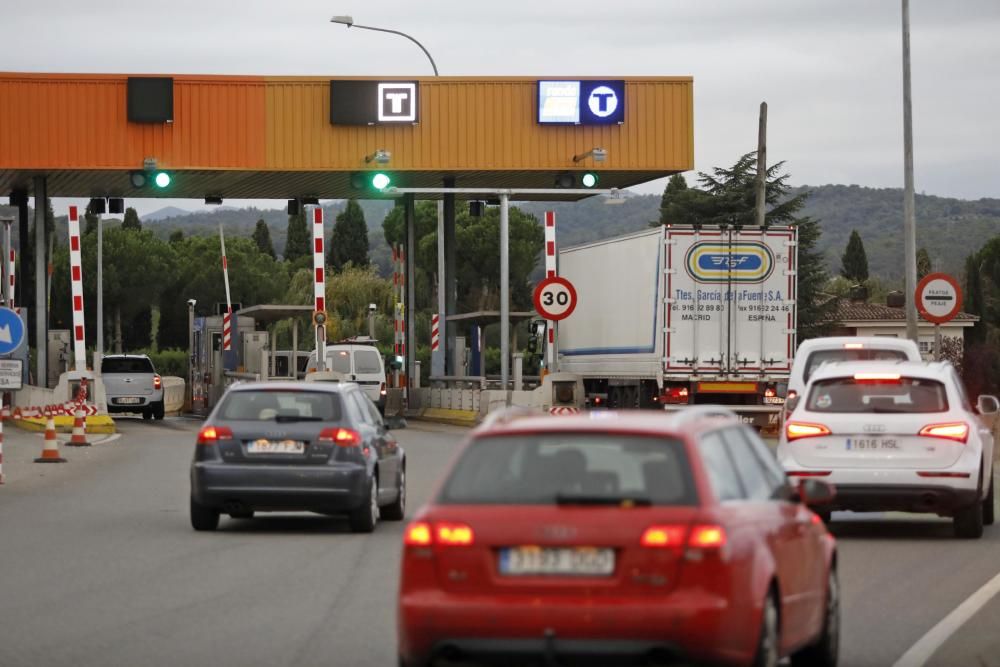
923	263
854	261
131	220
262	237
349	241
297	241
176	236
89	221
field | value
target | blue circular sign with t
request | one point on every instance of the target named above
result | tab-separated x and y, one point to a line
11	331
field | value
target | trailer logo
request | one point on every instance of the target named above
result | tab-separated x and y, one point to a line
741	262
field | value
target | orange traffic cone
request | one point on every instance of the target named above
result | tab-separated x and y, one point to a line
50	452
79	437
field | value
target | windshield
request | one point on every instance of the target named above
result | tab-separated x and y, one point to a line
820	357
569	468
877	396
273	405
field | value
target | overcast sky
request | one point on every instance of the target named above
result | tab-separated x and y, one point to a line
830	70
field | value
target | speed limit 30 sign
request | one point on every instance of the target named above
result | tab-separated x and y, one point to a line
555	298
939	298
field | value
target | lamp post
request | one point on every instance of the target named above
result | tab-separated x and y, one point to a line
349	22
909	217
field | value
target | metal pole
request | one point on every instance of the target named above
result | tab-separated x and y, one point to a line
449	281
190	387
371	323
8	290
41	325
410	347
937	342
909	218
401	34
762	165
439	355
505	292
99	352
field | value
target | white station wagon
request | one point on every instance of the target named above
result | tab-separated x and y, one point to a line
895	436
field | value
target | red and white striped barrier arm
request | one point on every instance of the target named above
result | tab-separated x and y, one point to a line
11	273
76	289
550	272
435	332
319	261
227	317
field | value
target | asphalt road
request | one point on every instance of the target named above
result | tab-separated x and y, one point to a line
99	566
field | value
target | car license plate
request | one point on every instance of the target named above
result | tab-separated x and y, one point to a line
872	444
578	561
276	447
128	401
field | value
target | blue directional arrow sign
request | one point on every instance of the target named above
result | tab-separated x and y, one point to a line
11	331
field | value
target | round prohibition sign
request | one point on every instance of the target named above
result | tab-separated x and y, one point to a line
555	298
939	297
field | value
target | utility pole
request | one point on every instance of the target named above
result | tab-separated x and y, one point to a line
762	165
909	217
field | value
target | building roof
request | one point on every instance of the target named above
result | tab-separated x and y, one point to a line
859	311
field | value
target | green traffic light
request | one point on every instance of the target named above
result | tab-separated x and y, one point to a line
162	179
380	181
589	180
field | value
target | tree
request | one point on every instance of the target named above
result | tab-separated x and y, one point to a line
924	266
131	221
349	241
679	202
262	237
90	220
297	243
176	236
854	261
728	197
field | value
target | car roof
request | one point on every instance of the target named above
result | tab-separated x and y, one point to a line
923	369
675	424
124	356
291	385
836	342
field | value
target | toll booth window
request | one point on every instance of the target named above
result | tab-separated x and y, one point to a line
367	361
216	342
281	366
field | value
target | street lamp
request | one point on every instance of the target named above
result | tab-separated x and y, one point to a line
349	22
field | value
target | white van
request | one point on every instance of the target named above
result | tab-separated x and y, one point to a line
817	351
351	362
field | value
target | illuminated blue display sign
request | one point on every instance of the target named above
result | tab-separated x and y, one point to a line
581	102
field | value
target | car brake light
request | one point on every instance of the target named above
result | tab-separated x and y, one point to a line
382	389
662	536
157	382
707	537
791	394
453	534
877	377
342	437
770	393
808	473
853	346
958	431
796	430
209	435
418	534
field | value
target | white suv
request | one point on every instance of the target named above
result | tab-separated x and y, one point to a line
895	436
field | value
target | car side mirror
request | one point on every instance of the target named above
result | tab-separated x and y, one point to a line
816	492
792	403
988	405
781	389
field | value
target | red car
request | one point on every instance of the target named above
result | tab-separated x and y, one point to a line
619	538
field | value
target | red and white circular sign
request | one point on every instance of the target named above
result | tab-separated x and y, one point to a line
555	298
938	298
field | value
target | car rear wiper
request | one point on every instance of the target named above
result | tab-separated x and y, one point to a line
284	419
591	499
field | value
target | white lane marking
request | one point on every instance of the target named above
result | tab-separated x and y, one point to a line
927	646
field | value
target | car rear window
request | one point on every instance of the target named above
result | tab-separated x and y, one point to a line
544	468
820	357
338	360
127	365
270	405
367	361
878	396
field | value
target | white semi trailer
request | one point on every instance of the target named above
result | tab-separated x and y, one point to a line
677	315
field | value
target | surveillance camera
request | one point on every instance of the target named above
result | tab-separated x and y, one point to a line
372	307
191	302
600	155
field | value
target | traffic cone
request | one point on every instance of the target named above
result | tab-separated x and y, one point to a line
50	451
79	437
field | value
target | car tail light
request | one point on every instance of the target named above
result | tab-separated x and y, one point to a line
707	537
808	473
342	437
676	395
791	394
453	534
209	435
157	382
770	392
663	536
797	430
885	378
381	390
418	534
958	431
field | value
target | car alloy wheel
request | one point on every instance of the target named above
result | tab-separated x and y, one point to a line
373	501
